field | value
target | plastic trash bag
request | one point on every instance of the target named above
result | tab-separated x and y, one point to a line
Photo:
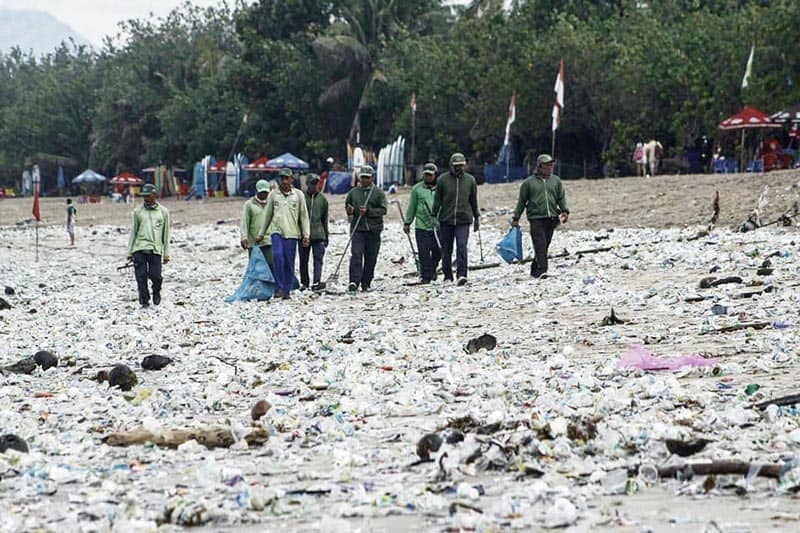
510	248
640	357
258	282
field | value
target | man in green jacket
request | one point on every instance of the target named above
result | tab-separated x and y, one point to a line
543	199
286	221
455	206
148	244
253	218
419	210
317	206
366	207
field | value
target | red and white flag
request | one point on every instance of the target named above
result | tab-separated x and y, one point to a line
512	114
414	102
558	105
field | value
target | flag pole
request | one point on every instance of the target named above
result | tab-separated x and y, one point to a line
508	161
413	143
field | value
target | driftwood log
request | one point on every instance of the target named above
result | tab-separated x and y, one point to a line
736	327
769	470
210	437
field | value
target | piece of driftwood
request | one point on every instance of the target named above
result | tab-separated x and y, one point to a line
721	468
210	437
737	327
750	294
792	399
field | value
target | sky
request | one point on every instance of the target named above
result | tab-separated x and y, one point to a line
94	19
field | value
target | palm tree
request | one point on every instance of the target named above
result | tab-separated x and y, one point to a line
353	49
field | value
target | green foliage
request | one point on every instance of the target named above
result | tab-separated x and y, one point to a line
309	73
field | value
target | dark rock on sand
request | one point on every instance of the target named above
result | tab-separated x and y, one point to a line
485	341
45	359
427	444
155	362
12	442
123	377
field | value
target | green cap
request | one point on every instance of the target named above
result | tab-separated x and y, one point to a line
148	188
286	172
366	170
262	186
312	178
429	168
544	159
458	159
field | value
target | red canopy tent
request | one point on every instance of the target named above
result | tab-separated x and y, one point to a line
260	165
125	179
747	118
218	167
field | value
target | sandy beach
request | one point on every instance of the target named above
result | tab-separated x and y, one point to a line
355	381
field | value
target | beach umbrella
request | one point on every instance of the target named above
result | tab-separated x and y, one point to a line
288	160
89	176
126	178
791	114
747	118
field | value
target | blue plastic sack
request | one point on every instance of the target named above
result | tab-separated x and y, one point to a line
510	248
258	282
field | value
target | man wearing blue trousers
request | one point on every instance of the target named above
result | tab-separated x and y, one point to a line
286	221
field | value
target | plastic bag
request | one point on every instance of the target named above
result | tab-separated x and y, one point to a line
510	248
258	282
640	357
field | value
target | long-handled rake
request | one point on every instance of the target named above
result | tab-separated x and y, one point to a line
480	242
410	243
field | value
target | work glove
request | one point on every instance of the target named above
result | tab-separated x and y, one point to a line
407	228
476	225
166	259
244	244
515	222
130	257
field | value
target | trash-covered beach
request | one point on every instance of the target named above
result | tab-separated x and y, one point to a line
374	415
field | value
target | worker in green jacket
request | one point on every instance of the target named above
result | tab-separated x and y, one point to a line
366	207
149	244
455	207
420	205
286	222
545	204
253	217
317	206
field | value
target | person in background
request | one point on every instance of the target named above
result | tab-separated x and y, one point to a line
654	151
253	217
149	244
286	222
72	217
542	198
640	159
419	210
317	206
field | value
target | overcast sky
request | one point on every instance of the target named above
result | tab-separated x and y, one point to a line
96	18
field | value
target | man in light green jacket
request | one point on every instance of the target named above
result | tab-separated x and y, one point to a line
286	221
148	244
542	198
253	218
419	211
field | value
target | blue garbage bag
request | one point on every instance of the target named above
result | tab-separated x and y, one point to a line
258	282
510	248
